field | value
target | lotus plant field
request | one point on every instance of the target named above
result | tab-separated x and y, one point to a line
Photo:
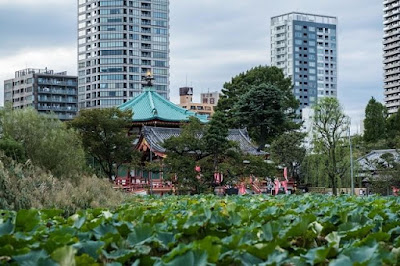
209	230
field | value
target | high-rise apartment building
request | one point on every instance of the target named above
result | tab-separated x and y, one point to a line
391	48
119	41
304	46
45	91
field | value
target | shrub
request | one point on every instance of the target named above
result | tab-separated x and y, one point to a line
48	143
24	186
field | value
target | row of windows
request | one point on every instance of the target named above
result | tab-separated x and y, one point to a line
111	102
111	20
114	11
109	61
112	77
111	36
112	3
112	94
112	52
111	44
313	29
131	3
160	15
119	77
115	85
160	79
111	85
163	7
160	31
111	69
111	28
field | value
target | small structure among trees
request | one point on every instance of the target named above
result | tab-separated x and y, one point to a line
380	170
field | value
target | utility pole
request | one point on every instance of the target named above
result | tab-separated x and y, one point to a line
351	164
151	172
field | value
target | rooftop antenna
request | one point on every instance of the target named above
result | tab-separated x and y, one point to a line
186	80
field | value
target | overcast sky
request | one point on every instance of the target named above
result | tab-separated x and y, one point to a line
211	41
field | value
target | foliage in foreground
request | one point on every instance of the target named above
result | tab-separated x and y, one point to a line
24	186
288	230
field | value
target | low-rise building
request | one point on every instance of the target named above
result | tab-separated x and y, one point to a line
208	101
44	90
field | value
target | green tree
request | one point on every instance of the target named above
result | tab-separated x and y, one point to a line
375	121
184	153
216	138
314	170
261	109
330	126
393	130
288	150
256	76
47	142
105	137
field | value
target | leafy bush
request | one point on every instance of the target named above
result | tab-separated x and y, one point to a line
24	186
13	149
48	143
204	230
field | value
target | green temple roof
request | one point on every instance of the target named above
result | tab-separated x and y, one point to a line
150	105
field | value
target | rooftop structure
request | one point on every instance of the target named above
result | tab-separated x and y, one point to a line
150	108
153	137
370	161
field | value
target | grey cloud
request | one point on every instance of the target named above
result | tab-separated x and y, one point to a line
32	27
212	41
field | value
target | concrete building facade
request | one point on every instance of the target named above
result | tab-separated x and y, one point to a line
304	46
391	50
119	41
45	91
207	105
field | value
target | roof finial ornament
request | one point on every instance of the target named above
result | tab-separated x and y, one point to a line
149	79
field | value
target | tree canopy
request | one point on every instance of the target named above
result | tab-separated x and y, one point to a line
261	110
289	151
393	130
207	147
330	126
242	83
105	137
184	153
375	121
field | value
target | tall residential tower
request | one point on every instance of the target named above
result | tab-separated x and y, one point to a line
304	46
391	48
119	41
